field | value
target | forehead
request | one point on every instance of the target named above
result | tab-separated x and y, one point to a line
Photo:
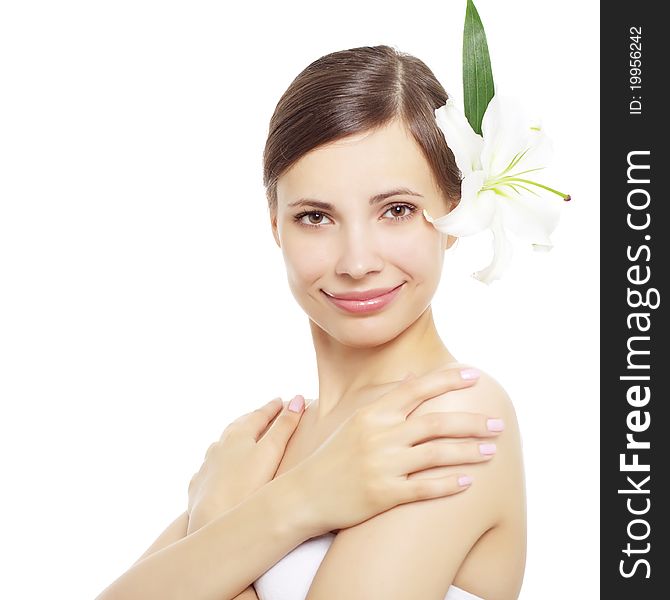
365	163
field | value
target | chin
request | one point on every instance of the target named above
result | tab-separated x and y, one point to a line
365	332
360	340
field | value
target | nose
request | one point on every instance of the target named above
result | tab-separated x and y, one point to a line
359	253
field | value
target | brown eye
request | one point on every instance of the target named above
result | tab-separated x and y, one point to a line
315	218
397	211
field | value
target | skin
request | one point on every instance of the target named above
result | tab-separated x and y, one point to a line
356	246
232	538
360	247
475	539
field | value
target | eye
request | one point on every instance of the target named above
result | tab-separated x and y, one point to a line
311	214
401	217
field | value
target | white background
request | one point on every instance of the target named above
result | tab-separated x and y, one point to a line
144	304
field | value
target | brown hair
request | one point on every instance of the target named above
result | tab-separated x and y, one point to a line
352	91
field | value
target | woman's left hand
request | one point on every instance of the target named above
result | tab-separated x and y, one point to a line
245	458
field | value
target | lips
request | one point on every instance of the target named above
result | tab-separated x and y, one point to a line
365	301
363	295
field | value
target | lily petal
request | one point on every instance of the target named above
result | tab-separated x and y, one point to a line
531	218
539	155
472	214
502	254
506	132
461	138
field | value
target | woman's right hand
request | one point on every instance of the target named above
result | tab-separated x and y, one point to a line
362	469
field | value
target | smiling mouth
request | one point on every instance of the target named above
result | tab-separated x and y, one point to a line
366	301
363	295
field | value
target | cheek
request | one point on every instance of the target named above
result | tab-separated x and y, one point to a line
305	260
419	254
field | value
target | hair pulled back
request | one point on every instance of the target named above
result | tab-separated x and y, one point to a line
353	91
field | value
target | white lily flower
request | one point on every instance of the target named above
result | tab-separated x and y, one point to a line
498	171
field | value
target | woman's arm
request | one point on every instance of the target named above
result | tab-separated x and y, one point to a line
176	531
220	560
346	481
415	550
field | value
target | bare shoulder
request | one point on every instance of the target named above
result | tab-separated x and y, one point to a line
501	478
486	396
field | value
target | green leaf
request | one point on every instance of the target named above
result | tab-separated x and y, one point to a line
477	74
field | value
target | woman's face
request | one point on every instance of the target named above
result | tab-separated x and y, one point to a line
340	233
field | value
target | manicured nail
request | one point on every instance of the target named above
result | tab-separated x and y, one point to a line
495	424
297	404
464	480
487	448
470	373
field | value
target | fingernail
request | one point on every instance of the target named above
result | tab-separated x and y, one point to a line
470	373
487	448
495	424
297	404
464	480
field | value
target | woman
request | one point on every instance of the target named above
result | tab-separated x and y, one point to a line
352	159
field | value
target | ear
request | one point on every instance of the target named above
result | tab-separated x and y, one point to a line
450	241
275	231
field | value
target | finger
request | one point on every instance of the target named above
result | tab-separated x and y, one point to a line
447	424
406	396
285	424
411	490
256	422
439	453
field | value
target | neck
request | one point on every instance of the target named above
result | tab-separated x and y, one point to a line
346	371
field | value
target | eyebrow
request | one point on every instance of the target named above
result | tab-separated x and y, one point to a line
401	191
